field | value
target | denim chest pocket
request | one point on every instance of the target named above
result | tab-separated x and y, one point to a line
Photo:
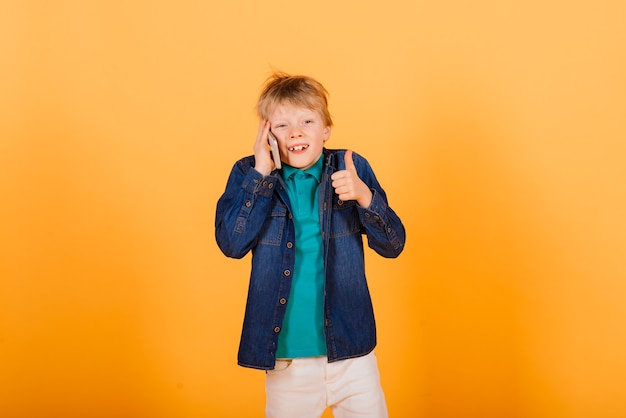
272	231
344	219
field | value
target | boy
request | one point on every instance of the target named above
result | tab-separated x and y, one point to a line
309	320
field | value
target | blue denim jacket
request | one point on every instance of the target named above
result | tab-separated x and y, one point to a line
254	214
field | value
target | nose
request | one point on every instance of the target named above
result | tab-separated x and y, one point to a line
295	133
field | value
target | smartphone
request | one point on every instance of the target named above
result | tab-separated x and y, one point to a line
274	146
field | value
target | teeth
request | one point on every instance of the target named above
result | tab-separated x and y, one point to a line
298	148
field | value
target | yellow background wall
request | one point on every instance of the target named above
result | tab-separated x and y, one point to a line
497	128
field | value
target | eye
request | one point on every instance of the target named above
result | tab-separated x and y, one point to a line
308	121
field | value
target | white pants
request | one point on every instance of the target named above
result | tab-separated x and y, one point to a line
305	387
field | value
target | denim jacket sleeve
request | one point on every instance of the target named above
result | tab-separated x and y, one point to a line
384	229
242	208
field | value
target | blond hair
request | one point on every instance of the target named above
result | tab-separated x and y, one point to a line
297	90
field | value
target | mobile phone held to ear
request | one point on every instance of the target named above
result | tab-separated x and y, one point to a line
274	149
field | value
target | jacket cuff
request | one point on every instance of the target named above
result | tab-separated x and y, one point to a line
258	184
376	217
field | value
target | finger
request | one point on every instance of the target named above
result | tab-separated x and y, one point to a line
264	127
349	161
337	175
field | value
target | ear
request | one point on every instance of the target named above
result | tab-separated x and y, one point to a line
326	133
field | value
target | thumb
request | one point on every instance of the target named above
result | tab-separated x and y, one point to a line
349	161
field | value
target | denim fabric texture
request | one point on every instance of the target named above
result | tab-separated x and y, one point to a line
254	215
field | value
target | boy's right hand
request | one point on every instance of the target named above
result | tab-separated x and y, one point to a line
263	159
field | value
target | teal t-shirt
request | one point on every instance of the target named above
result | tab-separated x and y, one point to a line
302	334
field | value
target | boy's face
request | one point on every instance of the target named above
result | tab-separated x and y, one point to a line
301	134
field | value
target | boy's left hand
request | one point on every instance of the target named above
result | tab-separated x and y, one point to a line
349	186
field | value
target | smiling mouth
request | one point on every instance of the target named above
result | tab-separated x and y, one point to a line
298	148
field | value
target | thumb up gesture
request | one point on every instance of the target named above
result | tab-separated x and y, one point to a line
349	186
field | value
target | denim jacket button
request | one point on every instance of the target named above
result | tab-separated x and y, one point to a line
248	204
283	301
290	244
287	273
277	329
